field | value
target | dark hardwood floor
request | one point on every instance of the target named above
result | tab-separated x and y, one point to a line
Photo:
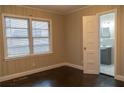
63	77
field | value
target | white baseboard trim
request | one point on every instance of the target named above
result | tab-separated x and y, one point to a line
119	77
74	66
12	76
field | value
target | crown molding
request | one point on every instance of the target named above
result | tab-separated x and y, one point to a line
54	12
79	9
43	10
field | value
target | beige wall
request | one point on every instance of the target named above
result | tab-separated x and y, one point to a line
24	64
74	39
121	39
0	48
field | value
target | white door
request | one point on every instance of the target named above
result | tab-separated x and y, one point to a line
90	45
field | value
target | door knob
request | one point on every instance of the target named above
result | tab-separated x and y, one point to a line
85	48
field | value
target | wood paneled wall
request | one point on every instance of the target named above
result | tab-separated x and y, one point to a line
27	63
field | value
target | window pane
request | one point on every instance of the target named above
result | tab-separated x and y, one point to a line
41	41
18	51
39	25
16	36
40	33
14	42
16	23
16	32
41	48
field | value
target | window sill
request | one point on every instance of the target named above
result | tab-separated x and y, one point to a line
26	56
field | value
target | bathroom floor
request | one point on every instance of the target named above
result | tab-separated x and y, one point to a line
107	69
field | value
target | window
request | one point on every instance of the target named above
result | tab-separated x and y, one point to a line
26	36
40	33
16	36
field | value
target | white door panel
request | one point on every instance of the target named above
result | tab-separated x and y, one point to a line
90	45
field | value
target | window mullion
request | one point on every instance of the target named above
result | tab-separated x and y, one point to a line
50	36
30	37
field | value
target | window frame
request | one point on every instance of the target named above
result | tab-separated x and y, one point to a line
30	38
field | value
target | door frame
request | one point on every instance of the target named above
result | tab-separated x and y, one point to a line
115	38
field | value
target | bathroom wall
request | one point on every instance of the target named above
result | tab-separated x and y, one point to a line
107	33
107	29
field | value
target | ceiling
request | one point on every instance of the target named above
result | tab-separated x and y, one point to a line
61	9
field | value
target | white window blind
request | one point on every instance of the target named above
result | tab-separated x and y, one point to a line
24	36
40	34
17	42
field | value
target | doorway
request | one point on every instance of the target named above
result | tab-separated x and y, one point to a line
99	43
107	23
